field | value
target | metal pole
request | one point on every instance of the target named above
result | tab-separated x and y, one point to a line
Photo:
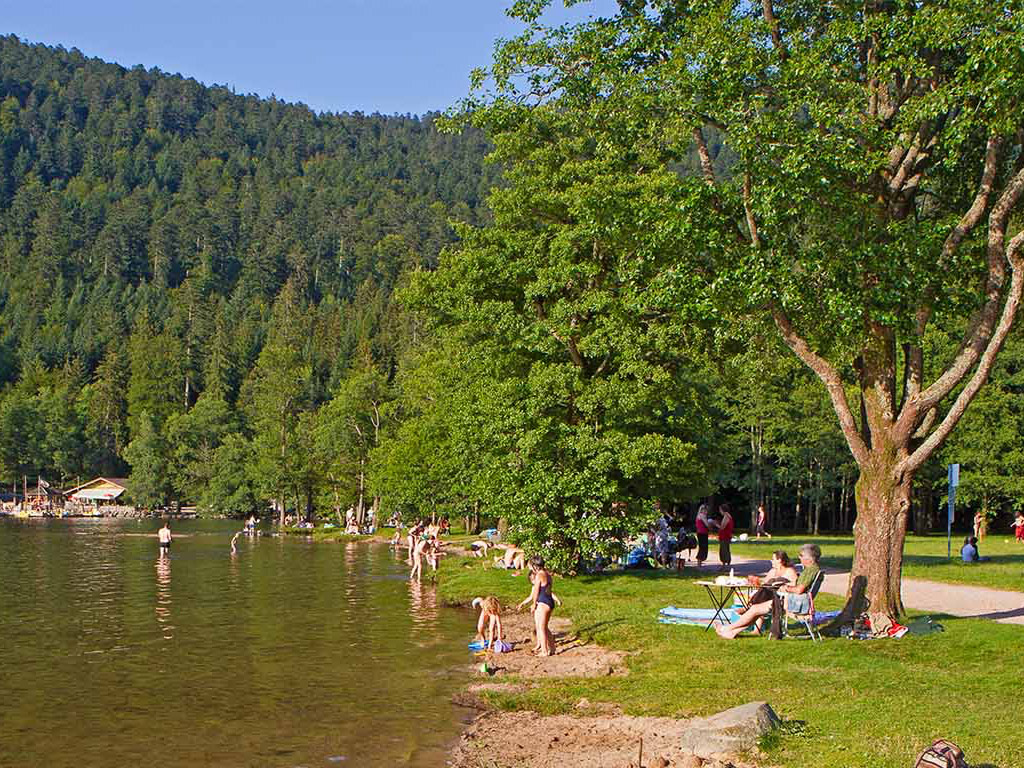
953	478
949	526
949	521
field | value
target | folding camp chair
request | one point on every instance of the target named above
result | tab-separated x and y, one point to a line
807	619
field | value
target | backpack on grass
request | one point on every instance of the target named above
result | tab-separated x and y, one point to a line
941	754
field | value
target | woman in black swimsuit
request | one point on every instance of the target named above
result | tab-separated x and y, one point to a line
542	603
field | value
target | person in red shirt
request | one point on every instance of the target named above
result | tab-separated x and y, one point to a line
725	528
702	530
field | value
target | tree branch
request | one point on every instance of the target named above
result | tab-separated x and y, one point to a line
773	25
706	167
977	210
936	438
829	377
755	239
979	328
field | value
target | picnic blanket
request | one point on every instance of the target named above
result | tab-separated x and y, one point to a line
697	616
701	616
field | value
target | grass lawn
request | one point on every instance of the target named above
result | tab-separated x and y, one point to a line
846	703
924	557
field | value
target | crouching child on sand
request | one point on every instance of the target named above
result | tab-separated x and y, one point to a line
490	617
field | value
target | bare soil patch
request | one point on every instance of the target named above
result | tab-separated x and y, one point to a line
573	657
529	740
598	735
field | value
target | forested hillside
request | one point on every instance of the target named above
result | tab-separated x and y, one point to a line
169	250
234	300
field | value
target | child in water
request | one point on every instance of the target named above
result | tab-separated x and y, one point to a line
490	615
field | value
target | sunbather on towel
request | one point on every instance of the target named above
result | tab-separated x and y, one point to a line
513	559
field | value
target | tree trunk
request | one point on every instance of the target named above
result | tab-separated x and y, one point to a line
811	500
799	499
337	502
843	517
756	479
882	507
362	484
821	499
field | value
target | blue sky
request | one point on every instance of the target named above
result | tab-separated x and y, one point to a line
390	56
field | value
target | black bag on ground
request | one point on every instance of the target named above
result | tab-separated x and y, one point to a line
941	754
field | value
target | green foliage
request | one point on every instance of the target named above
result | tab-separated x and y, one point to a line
857	139
560	304
156	236
226	266
987	444
147	453
230	488
194	437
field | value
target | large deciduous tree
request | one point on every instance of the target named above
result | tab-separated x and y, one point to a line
873	175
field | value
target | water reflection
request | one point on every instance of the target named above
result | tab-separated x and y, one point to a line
163	594
284	655
349	573
422	604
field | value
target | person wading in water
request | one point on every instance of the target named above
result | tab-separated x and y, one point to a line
164	536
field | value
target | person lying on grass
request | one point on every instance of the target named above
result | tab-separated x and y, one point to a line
798	599
514	559
490	616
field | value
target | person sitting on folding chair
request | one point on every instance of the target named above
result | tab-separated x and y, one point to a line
799	596
798	599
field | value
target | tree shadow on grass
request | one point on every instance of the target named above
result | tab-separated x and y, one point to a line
1015	613
590	629
928	561
648	574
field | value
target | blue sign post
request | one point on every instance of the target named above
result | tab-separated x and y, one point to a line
954	481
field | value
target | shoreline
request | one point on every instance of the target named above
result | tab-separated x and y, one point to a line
679	674
594	734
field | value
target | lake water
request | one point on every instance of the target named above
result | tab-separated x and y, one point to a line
289	654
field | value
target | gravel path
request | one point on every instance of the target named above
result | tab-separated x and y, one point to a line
931	596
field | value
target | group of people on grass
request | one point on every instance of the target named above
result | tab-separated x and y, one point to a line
781	588
723	524
661	548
